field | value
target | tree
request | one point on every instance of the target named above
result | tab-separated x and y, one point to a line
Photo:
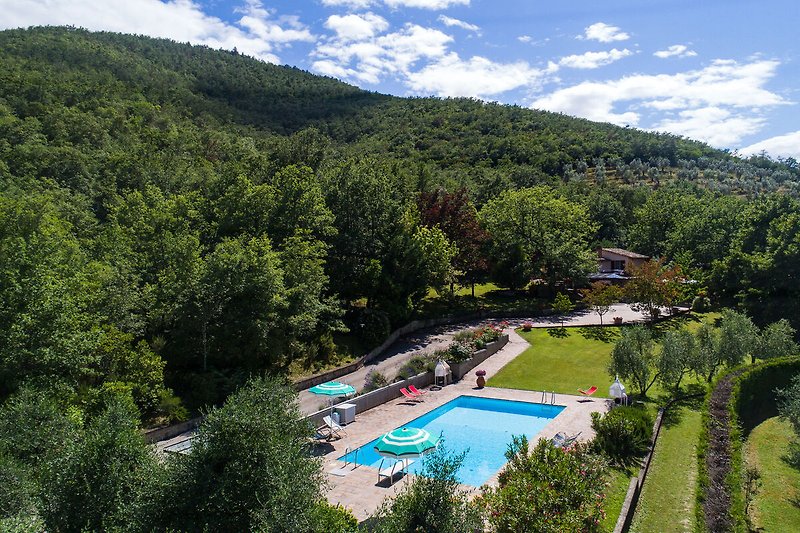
738	338
433	501
457	217
633	358
600	296
547	489
249	469
776	340
562	305
653	285
679	356
551	233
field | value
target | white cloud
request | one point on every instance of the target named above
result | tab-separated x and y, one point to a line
719	104
787	145
605	33
449	21
478	77
714	125
524	38
352	4
426	4
256	33
356	27
594	59
676	50
371	59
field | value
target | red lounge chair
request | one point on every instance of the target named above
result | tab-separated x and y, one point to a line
410	396
588	392
413	390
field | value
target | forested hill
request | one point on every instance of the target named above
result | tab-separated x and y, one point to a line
172	211
60	75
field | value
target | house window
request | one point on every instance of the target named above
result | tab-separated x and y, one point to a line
617	265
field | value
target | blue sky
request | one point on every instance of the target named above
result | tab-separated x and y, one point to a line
722	71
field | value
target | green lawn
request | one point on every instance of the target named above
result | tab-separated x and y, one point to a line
615	496
775	507
561	360
566	359
667	500
488	296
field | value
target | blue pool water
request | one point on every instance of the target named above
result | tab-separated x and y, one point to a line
482	425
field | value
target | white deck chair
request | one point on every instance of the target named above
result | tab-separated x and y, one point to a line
334	430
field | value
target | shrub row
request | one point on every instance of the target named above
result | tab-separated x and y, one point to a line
737	402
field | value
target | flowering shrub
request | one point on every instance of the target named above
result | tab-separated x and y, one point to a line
547	490
527	326
480	372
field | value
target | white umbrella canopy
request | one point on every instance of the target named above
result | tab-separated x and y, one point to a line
617	389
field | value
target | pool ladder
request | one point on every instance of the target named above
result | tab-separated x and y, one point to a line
347	461
552	397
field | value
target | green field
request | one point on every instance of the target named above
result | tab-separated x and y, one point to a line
775	507
667	500
561	360
566	359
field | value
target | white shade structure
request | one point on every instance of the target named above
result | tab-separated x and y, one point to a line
617	389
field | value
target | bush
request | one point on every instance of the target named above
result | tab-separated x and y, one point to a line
547	489
465	336
458	353
431	502
374	380
416	365
623	434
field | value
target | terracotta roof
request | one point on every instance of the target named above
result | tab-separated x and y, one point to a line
626	253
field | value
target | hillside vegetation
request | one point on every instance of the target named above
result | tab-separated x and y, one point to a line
172	215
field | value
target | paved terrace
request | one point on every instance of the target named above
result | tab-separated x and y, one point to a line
359	490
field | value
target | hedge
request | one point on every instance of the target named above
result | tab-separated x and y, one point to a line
752	399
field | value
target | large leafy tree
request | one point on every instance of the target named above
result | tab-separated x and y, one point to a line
249	470
457	217
600	296
551	233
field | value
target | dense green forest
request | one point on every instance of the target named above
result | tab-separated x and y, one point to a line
175	218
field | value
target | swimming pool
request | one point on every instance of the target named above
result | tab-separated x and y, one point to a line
484	425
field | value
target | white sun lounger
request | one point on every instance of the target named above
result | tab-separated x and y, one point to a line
397	467
334	430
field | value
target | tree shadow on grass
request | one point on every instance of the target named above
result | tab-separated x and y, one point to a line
673	323
694	396
602	334
560	333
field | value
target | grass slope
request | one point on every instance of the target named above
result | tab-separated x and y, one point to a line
775	508
667	500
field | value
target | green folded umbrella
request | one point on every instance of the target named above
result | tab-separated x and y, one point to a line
406	442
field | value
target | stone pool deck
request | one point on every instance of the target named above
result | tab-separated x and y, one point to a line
359	491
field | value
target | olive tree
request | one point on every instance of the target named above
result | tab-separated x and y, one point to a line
633	358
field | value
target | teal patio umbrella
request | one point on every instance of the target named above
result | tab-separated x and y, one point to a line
405	443
333	388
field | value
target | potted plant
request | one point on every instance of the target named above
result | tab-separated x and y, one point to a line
481	381
617	320
527	326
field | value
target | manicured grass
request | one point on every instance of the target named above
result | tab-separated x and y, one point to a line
775	507
615	496
561	360
667	500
